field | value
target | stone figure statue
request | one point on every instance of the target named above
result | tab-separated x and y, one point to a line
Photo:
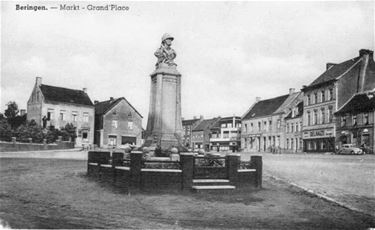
165	53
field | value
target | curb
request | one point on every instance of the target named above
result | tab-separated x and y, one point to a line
41	151
322	196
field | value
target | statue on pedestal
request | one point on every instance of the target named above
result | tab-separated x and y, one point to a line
165	53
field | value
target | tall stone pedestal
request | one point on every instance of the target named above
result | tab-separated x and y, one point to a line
164	124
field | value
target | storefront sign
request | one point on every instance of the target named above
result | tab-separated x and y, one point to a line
318	133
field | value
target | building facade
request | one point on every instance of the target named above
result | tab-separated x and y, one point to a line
54	107
329	92
355	122
293	128
226	135
201	134
117	123
187	127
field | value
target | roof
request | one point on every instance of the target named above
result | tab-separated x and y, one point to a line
300	112
334	72
104	106
205	124
58	94
358	103
189	122
288	102
266	107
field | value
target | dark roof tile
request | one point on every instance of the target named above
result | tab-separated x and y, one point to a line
265	107
58	94
358	103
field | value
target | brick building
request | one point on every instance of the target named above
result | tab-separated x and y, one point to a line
355	122
117	123
226	134
187	127
330	91
52	106
201	134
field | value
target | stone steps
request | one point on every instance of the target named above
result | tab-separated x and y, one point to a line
200	185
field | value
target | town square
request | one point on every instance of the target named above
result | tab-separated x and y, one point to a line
188	115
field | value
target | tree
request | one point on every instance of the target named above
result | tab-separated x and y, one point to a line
12	110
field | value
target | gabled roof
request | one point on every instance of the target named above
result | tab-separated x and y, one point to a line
288	102
265	107
58	94
358	103
203	125
300	112
104	106
189	122
334	72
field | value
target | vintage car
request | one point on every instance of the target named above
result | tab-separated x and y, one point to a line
350	149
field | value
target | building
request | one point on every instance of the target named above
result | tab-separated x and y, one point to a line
293	128
201	134
263	125
226	134
117	123
52	106
355	122
187	127
330	91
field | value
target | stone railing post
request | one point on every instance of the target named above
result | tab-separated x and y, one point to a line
187	167
257	164
14	139
233	164
117	159
135	168
30	140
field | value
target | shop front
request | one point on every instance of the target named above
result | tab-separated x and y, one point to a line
322	140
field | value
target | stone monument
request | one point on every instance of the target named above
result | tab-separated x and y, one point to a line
164	124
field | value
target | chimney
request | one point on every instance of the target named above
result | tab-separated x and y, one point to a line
257	99
22	112
96	102
194	117
366	57
329	65
38	81
364	52
201	117
291	91
84	90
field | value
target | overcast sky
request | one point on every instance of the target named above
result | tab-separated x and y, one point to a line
228	53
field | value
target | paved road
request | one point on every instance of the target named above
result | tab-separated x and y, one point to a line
349	180
74	154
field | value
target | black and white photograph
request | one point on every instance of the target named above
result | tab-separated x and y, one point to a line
187	115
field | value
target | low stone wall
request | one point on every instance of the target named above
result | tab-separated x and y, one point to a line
136	177
19	146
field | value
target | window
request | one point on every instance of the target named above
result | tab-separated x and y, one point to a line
315	98
269	125
330	94
315	117
287	128
308	118
365	118
323	96
223	125
245	128
343	120
50	114
297	127
85	117
114	124
287	143
85	136
354	119
308	100
229	125
74	116
330	114
251	127
62	115
37	96
112	140
278	124
259	125
265	125
291	127
130	125
291	143
323	115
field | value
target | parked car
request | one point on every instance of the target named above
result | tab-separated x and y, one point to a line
350	149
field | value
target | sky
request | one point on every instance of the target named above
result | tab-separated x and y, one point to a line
227	52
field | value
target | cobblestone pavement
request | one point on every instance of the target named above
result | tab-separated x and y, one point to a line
347	179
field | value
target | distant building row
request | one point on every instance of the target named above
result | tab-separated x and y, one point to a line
108	124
